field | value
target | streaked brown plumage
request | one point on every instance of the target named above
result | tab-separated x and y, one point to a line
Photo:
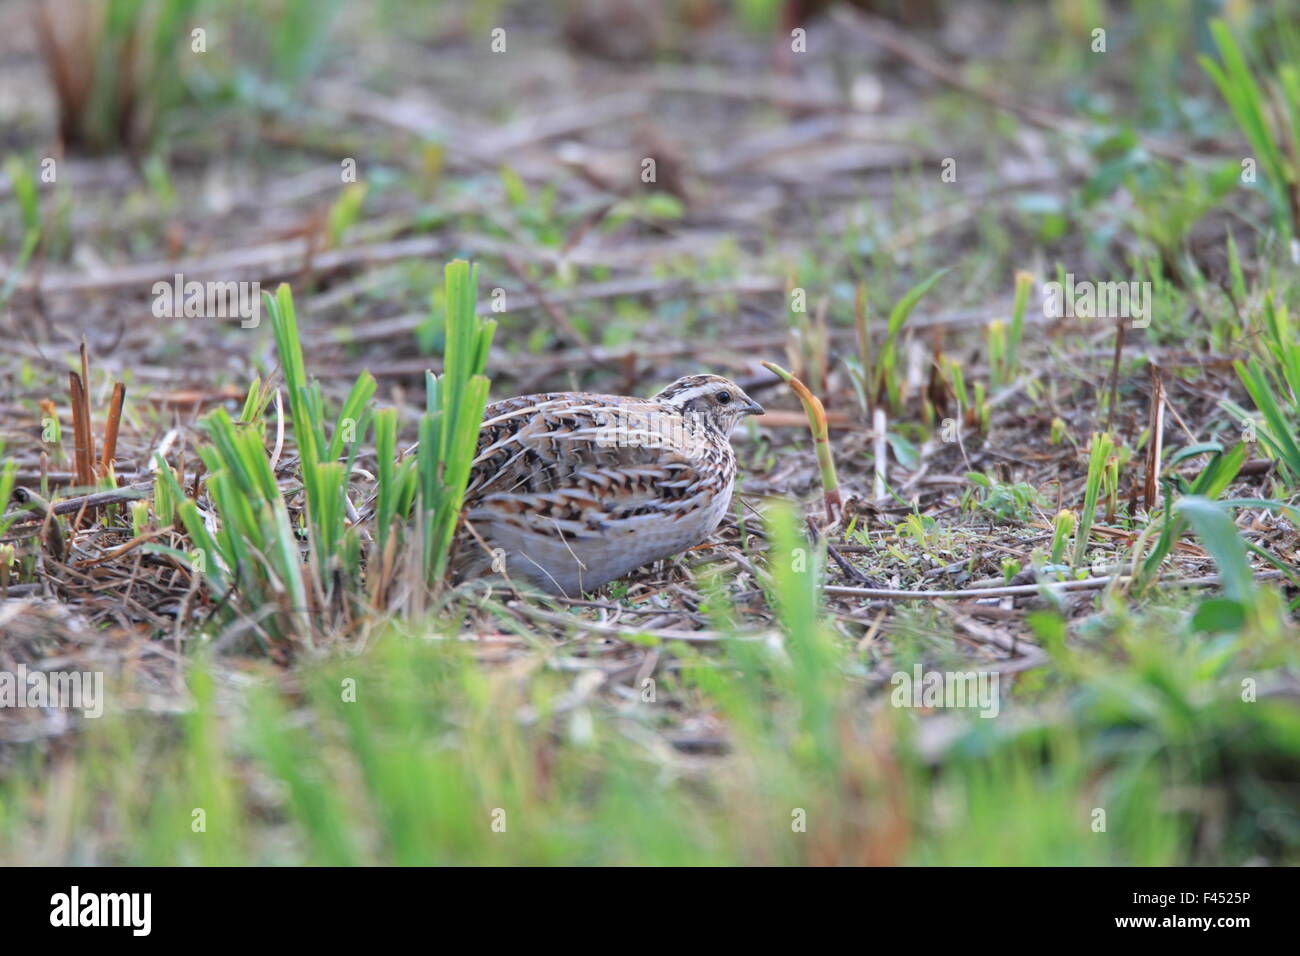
571	490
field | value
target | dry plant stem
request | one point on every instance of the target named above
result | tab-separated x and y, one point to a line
878	425
111	428
1155	449
76	393
84	390
1114	375
813	407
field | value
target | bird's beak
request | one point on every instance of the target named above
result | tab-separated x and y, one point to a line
752	407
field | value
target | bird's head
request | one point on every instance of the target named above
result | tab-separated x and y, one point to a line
710	398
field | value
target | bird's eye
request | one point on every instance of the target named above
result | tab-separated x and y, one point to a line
722	398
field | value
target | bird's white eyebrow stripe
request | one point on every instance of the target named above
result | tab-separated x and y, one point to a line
686	396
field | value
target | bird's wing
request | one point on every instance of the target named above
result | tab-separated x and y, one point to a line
572	463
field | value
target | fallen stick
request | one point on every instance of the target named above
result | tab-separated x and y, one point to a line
1015	590
70	505
265	262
